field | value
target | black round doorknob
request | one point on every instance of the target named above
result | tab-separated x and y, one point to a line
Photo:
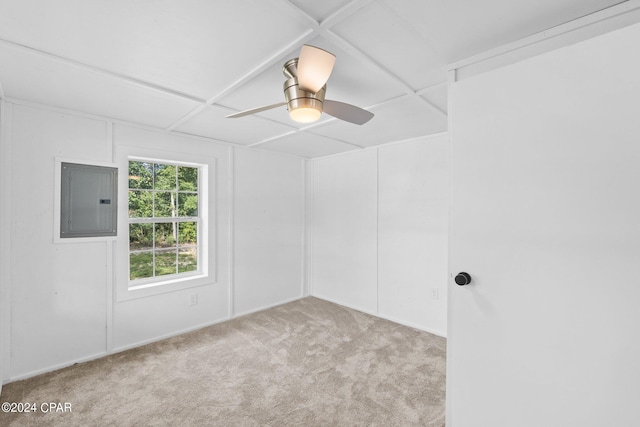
463	279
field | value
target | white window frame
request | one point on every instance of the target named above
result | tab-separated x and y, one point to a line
130	289
159	280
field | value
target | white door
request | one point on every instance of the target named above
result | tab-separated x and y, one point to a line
546	220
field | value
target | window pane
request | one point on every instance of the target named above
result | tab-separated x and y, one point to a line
140	204
165	262
165	234
187	178
187	260
188	233
162	192
165	177
140	265
165	204
140	237
187	204
140	175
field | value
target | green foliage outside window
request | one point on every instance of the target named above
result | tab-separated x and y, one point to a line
163	212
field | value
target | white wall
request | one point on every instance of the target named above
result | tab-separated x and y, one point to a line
545	214
413	237
379	243
269	191
63	303
142	319
370	242
58	292
344	262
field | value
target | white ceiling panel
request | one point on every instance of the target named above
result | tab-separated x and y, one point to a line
402	118
162	62
385	36
195	46
212	123
35	77
307	145
460	28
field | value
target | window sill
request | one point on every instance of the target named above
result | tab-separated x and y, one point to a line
155	288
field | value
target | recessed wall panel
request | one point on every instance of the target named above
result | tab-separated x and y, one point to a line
413	232
344	230
268	229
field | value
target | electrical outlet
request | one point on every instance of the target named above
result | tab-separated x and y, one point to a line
193	299
435	293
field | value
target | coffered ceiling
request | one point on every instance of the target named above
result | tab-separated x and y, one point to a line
182	66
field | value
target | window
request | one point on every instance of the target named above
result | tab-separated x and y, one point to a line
164	221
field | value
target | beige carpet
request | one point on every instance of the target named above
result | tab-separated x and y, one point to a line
306	363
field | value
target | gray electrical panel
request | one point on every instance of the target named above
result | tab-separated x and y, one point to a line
88	200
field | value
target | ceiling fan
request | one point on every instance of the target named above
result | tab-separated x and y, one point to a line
305	88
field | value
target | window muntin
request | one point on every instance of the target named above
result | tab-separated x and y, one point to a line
164	221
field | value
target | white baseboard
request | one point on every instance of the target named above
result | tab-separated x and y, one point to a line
389	318
104	354
137	344
54	367
414	325
169	335
353	307
266	307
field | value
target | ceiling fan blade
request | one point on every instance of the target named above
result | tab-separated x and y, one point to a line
347	112
255	110
314	68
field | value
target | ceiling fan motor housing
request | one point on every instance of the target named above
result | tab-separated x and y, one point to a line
298	98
